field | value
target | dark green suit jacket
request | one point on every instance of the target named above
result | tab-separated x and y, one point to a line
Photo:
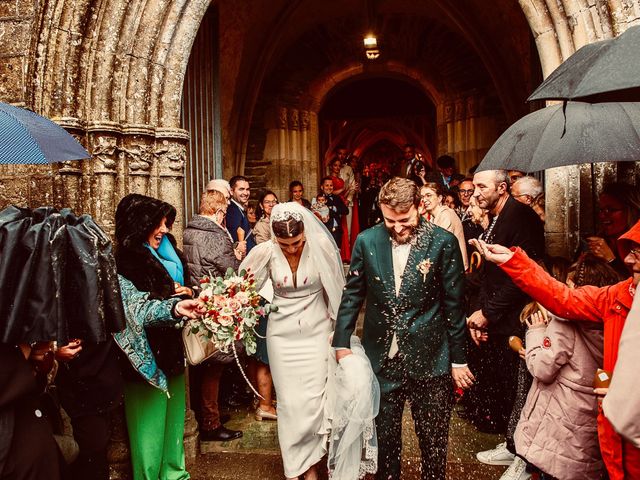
427	315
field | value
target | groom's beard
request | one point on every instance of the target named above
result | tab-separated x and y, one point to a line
406	235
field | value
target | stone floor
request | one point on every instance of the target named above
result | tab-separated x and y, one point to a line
256	455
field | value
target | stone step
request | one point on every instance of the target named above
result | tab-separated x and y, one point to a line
257	456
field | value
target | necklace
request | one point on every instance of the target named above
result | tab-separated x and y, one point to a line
487	235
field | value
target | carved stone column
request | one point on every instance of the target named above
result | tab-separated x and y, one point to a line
449	118
306	166
459	129
68	183
294	144
170	157
471	157
103	145
282	132
562	192
305	123
137	148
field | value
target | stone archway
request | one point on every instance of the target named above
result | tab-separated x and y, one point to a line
558	29
288	145
111	72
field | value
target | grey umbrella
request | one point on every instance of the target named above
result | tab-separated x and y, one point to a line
28	138
603	71
552	137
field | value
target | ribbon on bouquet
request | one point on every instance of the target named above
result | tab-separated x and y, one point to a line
244	375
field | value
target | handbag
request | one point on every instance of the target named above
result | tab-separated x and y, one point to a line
198	347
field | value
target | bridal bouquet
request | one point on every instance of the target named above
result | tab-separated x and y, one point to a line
232	311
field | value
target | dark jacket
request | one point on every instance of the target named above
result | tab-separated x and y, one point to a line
207	249
427	315
337	209
136	217
91	383
237	218
501	300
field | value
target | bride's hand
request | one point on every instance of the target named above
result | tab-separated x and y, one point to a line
343	352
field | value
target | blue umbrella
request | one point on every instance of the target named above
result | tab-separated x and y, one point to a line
27	138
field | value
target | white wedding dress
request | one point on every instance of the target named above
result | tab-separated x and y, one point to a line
297	341
299	349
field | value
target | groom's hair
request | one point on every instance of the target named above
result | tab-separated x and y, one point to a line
399	194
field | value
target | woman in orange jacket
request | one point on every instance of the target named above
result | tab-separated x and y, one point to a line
609	305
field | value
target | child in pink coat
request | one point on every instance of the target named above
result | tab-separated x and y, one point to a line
557	431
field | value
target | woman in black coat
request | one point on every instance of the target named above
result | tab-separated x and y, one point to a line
146	254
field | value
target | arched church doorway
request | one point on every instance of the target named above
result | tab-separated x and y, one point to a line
433	85
112	73
373	118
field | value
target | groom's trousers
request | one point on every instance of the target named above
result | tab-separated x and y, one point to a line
431	402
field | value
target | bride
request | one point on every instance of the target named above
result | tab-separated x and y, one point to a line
304	266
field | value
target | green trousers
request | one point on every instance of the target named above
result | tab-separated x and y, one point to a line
156	430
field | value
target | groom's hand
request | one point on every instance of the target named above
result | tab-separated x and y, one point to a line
462	377
343	352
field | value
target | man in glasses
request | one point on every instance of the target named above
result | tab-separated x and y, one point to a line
526	190
465	192
469	227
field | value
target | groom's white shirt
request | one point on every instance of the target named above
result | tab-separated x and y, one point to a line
400	256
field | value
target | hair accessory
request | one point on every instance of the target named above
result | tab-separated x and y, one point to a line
283	215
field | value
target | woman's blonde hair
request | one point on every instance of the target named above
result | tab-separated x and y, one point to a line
531	308
211	201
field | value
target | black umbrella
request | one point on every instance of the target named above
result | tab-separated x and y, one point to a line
552	137
58	278
602	71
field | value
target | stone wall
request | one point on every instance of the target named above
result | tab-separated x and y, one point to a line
19	185
467	127
16	21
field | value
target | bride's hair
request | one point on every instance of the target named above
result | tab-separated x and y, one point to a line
287	227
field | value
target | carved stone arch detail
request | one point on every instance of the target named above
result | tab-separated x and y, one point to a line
114	60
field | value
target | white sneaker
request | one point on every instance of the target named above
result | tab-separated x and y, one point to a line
498	456
516	471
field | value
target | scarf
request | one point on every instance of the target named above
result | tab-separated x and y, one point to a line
169	259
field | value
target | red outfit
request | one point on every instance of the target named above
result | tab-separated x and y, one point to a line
347	240
609	305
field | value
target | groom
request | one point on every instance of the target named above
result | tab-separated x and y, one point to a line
410	274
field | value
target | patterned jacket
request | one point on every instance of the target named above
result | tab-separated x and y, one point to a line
141	312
